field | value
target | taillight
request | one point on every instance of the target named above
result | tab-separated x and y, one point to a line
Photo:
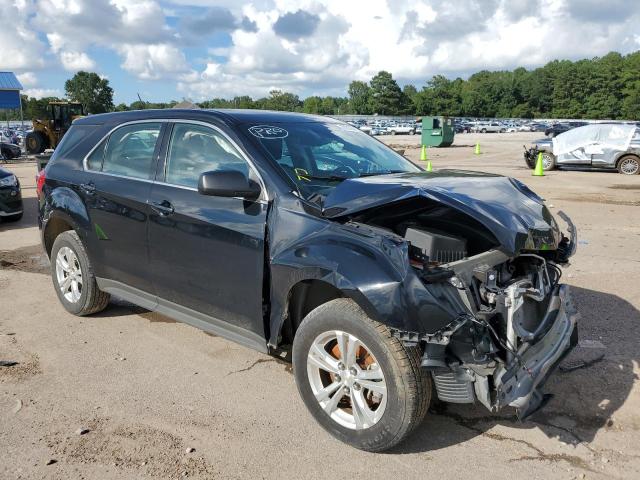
40	178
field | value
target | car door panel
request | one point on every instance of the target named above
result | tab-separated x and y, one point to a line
118	211
206	252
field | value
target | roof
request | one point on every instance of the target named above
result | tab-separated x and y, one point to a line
8	81
229	116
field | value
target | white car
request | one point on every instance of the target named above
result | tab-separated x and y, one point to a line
365	129
402	128
488	127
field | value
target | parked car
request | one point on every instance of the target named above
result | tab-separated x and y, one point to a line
9	151
401	128
488	127
365	128
561	127
462	127
613	146
10	196
290	232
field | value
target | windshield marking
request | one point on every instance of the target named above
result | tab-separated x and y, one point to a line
268	132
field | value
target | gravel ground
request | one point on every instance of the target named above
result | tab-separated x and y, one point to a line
129	394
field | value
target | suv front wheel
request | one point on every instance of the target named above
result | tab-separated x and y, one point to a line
361	384
73	276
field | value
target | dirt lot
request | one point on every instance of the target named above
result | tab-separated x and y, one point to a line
148	390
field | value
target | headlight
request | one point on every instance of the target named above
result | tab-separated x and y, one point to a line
10	181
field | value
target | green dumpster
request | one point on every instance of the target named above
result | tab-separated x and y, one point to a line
437	131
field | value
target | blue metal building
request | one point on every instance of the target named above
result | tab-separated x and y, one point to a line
9	91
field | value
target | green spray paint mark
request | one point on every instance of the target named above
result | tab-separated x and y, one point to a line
100	233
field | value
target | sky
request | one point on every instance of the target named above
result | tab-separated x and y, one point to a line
201	49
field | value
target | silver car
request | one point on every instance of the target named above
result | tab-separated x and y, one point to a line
614	146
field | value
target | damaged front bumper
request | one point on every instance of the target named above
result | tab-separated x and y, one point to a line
518	383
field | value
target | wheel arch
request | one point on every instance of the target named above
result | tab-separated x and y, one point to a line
626	155
305	296
63	211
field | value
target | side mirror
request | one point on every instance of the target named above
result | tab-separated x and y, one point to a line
228	183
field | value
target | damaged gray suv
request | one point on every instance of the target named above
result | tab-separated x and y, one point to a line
388	285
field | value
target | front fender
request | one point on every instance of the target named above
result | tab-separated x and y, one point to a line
365	264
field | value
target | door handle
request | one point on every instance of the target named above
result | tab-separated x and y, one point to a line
88	188
162	208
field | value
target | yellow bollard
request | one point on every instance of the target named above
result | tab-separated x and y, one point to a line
477	148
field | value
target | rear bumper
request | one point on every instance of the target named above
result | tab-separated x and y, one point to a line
518	384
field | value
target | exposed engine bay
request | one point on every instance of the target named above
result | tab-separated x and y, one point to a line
518	323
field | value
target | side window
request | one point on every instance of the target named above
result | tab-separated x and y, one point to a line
74	136
129	151
94	161
195	149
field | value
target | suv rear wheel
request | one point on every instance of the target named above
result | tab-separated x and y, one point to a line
361	384
73	276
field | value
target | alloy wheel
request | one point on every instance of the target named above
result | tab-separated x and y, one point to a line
346	380
69	274
629	166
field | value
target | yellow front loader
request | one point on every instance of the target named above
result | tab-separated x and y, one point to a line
48	133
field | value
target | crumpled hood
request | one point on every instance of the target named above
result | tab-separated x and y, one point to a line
515	215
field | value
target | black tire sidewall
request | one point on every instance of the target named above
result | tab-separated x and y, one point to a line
70	239
386	430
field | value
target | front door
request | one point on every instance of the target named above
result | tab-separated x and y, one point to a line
207	253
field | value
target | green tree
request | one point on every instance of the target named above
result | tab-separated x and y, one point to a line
312	104
92	91
359	96
284	101
386	97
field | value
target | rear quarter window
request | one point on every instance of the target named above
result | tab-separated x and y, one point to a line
72	139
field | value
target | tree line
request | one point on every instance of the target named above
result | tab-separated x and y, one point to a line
605	87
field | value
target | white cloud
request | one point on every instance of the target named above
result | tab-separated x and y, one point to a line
42	92
153	62
27	79
74	61
320	45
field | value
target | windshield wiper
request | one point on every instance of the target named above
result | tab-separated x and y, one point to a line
305	176
385	172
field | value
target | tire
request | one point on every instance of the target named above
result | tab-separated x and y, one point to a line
484	130
393	132
35	143
548	161
408	389
629	165
90	299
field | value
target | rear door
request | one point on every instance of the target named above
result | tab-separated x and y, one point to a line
121	169
207	253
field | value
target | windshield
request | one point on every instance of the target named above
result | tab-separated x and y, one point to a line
318	156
